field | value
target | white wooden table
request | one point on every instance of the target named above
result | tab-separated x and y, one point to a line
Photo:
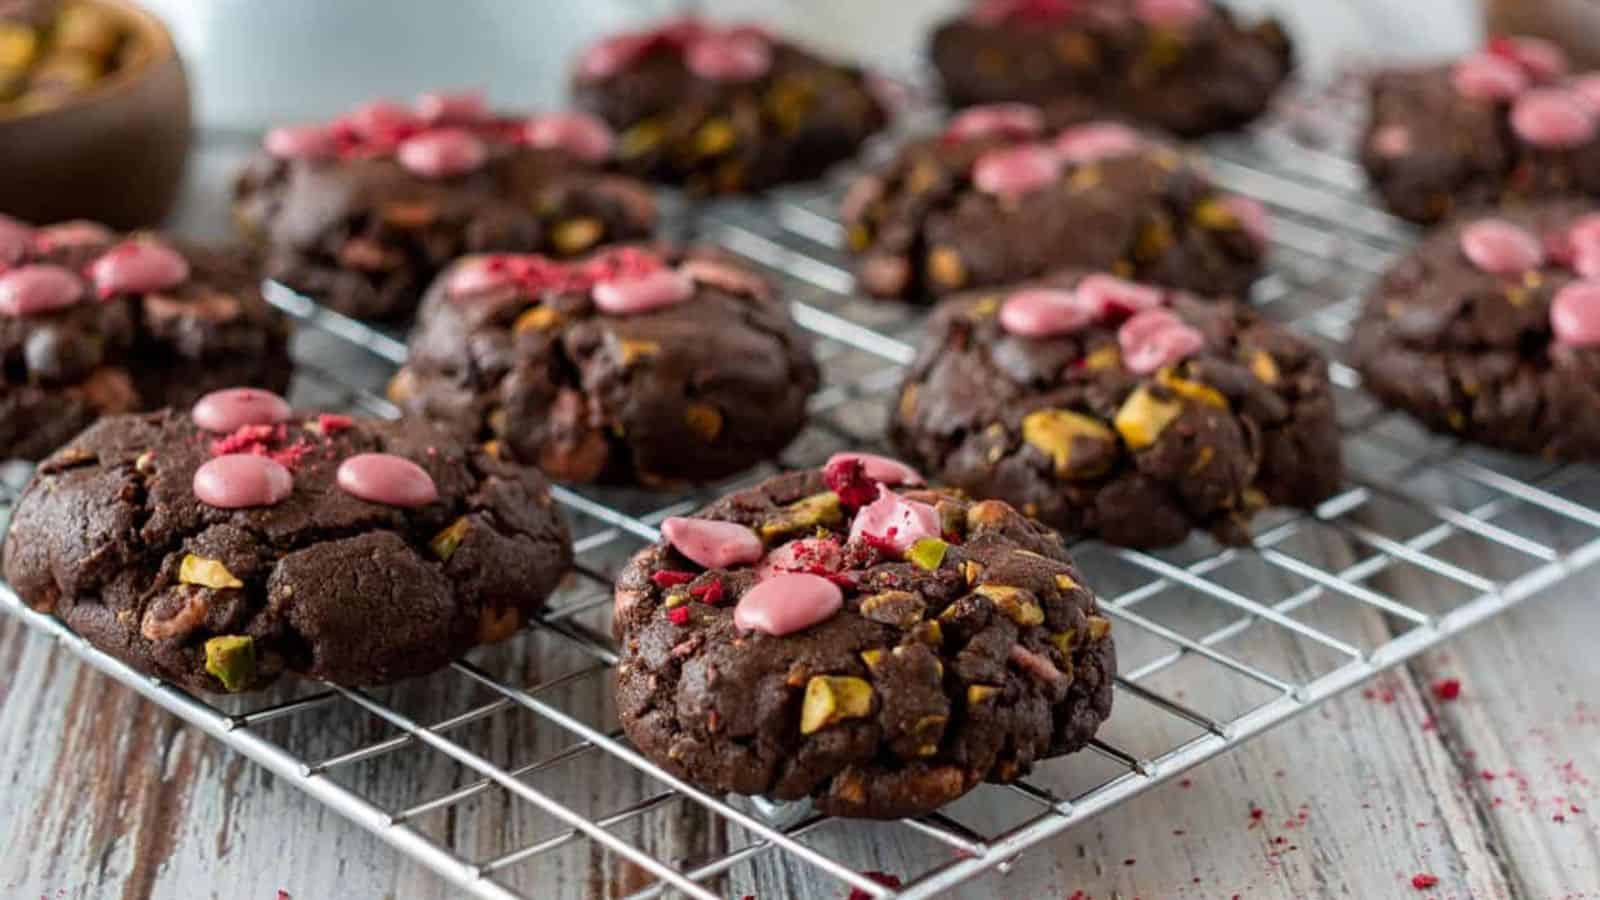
1494	794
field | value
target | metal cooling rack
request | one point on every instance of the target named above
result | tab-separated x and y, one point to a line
509	776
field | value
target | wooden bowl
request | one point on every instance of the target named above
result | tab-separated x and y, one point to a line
116	152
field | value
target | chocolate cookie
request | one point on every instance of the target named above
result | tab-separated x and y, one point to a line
998	199
633	366
1119	410
94	323
1185	66
364	211
1490	330
724	109
1505	125
847	636
222	547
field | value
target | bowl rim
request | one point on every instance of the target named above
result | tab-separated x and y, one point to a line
150	29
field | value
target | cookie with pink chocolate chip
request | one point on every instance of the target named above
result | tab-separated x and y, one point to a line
1189	67
855	637
1120	410
362	212
1490	330
93	322
222	545
722	107
1510	123
1007	192
639	365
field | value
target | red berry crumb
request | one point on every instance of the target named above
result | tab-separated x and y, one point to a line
848	478
710	593
331	424
668	578
679	615
883	878
1446	690
1423	882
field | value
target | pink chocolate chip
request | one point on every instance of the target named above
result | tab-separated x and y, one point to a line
1252	216
804	555
1587	87
713	544
452	107
895	522
579	134
1156	338
1538	57
241	480
1034	664
14	240
1044	312
1012	120
227	410
1582	245
1501	248
387	479
443	153
1016	170
479	275
76	233
785	604
1575	314
38	289
1108	295
729	56
643	293
1484	76
612	55
1095	141
890	471
1393	141
724	277
301	142
1171	13
384	120
138	267
1554	118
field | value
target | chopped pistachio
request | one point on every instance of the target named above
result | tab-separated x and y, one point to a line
946	268
1214	215
1066	583
641	139
577	235
902	609
1099	627
1064	641
830	698
978	693
1056	432
1108	356
1191	390
908	401
146	463
1014	603
715	137
231	659
803	515
1264	367
537	318
206	573
970	570
444	543
1142	418
704	420
873	659
928	554
987	512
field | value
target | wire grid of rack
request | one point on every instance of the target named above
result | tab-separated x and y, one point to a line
1217	644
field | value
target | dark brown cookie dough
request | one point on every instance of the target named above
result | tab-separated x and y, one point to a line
200	326
724	109
1088	432
363	212
1186	67
519	352
1502	345
1000	198
112	537
1507	125
965	658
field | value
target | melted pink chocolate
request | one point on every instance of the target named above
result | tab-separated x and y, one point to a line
384	121
785	604
76	233
301	142
1034	664
1155	339
890	471
443	153
1095	141
1575	314
578	134
610	56
1484	76
894	522
1554	118
452	107
642	293
387	479
713	544
1009	120
724	277
1112	296
1014	171
480	275
226	411
1501	248
728	56
1045	312
242	480
1541	59
138	267
38	289
813	555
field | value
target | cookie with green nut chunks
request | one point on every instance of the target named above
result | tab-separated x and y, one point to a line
1189	67
850	636
1120	410
724	108
1007	193
224	546
638	365
363	211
